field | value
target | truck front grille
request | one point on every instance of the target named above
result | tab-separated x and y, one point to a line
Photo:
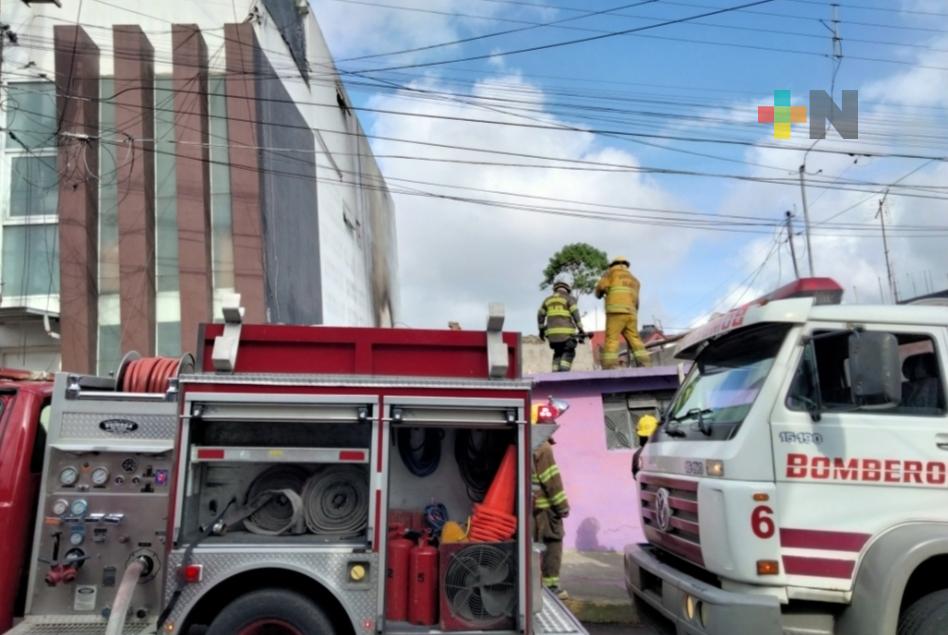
673	526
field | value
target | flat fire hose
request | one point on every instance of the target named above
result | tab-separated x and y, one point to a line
257	517
336	501
274	505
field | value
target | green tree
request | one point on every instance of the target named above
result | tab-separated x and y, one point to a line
583	262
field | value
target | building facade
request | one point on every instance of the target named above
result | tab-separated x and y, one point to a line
159	158
594	447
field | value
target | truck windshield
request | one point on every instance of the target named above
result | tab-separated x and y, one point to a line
723	384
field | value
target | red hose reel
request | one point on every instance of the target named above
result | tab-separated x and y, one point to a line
150	374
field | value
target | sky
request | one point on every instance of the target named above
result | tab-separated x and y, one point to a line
646	144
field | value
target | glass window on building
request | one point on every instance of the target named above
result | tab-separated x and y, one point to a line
168	304
112	157
30	187
222	245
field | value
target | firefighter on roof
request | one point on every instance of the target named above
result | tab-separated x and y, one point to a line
560	324
550	507
621	291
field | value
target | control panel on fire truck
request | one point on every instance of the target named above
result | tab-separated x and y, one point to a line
103	502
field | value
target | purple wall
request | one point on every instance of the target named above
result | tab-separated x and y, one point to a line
603	497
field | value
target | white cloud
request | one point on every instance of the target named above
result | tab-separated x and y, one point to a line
919	86
457	257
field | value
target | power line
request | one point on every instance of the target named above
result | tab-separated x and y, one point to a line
601	166
582	40
485	36
582	13
595	166
720	225
862	7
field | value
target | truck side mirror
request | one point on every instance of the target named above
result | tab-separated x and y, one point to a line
875	369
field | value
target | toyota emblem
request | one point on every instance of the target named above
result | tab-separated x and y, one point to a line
663	510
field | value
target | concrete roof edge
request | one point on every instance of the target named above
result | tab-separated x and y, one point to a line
621	374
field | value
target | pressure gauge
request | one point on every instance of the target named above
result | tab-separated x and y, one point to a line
79	507
76	538
60	507
69	476
100	476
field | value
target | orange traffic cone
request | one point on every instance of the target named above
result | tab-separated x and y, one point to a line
493	520
500	497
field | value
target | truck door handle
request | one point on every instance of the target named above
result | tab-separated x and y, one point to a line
941	441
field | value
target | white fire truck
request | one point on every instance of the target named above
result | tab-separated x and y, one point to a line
256	494
798	483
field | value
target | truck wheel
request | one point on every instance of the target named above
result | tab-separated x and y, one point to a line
927	616
271	612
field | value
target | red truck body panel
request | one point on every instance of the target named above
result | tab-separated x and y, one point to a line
22	403
278	348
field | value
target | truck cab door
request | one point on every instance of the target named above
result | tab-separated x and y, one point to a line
836	459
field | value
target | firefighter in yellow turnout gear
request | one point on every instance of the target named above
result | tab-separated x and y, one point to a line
621	291
560	323
550	507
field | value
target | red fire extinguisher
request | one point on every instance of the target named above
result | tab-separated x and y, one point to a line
396	575
423	592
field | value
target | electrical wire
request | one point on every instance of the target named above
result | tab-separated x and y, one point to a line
485	36
436	515
421	458
863	153
582	40
478	454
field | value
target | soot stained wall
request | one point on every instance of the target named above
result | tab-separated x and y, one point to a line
289	204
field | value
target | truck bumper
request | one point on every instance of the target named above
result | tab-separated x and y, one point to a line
715	611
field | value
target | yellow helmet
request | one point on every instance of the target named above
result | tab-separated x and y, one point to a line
646	426
619	260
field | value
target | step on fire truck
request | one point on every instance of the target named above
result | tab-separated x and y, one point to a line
258	492
797	483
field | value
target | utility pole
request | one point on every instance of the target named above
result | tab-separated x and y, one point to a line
837	58
806	215
793	251
885	248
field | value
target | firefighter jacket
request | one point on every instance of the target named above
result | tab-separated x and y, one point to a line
621	290
548	492
559	314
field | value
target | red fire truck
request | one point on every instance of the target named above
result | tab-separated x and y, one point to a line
259	491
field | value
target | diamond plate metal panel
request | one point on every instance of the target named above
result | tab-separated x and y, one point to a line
326	567
82	425
66	625
556	618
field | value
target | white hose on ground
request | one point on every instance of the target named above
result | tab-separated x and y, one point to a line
123	597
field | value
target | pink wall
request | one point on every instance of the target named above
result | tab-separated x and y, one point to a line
603	498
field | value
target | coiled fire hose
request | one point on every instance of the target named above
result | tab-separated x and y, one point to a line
123	597
274	505
336	501
149	374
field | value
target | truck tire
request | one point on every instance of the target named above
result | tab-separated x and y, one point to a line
927	616
271	612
